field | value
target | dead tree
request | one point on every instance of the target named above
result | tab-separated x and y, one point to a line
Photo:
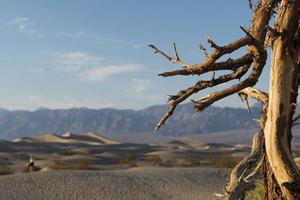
271	145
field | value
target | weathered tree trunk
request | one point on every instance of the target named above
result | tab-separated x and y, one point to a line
282	177
278	126
272	189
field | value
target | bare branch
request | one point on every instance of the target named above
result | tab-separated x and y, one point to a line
213	77
211	59
247	32
184	94
256	94
173	60
244	98
203	51
175	51
224	65
250	4
242	177
255	56
219	52
259	63
256	170
212	43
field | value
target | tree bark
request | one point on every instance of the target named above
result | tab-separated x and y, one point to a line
272	189
278	129
282	179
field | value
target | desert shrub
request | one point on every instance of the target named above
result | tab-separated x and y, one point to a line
128	159
257	193
227	161
154	159
184	162
297	160
58	164
83	164
5	170
224	160
65	152
3	157
207	159
35	169
194	161
174	163
78	165
4	160
8	163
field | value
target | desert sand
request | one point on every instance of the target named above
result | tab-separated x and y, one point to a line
138	183
91	166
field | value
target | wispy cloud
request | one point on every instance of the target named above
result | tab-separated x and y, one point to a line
86	35
117	43
103	72
34	101
140	89
77	35
138	46
87	66
27	26
76	61
140	85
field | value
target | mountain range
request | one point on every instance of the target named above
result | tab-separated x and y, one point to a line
109	121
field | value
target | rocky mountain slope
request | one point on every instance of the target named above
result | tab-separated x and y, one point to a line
112	121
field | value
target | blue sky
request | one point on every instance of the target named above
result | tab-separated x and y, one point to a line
93	53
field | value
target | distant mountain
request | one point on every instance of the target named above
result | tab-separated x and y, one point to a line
112	121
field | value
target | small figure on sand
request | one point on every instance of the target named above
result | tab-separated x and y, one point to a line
31	164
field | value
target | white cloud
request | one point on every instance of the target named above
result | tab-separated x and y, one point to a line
27	26
140	89
103	72
140	85
76	61
23	23
89	67
138	46
77	35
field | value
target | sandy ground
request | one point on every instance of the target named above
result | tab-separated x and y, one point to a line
179	169
142	183
98	152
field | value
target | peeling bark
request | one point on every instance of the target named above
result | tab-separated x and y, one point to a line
282	177
277	130
272	189
242	178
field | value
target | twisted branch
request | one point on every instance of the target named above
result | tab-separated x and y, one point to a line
256	56
200	68
243	175
174	100
241	179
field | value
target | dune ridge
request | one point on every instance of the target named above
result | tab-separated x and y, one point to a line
89	138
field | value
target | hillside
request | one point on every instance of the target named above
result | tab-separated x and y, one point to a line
112	121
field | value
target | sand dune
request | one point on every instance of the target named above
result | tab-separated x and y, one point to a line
101	152
183	168
84	138
188	143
